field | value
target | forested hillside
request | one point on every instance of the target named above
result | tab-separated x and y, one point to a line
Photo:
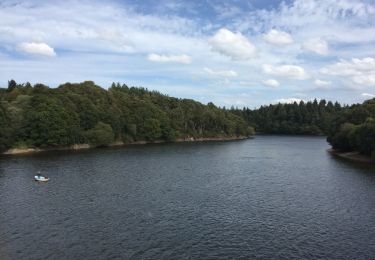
312	118
39	116
348	128
354	129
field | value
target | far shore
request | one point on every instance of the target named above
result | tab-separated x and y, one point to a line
352	156
29	150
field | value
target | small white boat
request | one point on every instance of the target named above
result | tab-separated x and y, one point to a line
41	178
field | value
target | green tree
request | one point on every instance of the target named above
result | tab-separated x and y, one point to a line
101	135
343	139
84	112
48	124
365	137
12	84
151	129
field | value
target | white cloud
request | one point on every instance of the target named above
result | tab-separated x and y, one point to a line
317	45
315	18
185	59
271	83
278	37
351	68
234	45
322	83
221	73
360	71
36	48
288	100
81	28
367	95
118	39
287	71
365	80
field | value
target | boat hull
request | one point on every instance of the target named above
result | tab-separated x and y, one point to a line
41	179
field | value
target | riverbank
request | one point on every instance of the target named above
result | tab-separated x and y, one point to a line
29	150
352	156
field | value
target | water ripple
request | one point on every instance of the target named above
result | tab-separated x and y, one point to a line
266	198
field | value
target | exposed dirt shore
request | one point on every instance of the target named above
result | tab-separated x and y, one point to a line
15	151
352	156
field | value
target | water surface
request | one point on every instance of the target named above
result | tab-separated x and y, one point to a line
272	197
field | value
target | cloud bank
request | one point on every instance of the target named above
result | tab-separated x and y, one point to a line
312	47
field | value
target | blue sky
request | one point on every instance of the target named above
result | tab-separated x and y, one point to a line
239	52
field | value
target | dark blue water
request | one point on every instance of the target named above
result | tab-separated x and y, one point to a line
271	197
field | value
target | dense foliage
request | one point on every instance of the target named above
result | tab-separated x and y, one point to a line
354	129
348	128
39	116
312	118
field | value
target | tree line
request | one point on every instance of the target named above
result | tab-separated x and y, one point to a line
348	128
305	118
353	129
39	116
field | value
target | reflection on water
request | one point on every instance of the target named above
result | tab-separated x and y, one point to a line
272	197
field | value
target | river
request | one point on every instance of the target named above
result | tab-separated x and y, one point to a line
271	197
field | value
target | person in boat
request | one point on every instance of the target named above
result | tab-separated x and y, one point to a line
40	176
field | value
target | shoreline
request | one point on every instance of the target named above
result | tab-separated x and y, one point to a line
76	147
352	156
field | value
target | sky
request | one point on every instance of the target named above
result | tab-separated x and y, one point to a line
233	53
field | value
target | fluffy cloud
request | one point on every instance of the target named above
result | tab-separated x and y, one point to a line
287	71
288	100
317	45
185	59
367	95
365	80
278	37
36	48
360	71
118	39
221	73
271	83
233	45
322	83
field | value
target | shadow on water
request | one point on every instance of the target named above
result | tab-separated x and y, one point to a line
368	168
